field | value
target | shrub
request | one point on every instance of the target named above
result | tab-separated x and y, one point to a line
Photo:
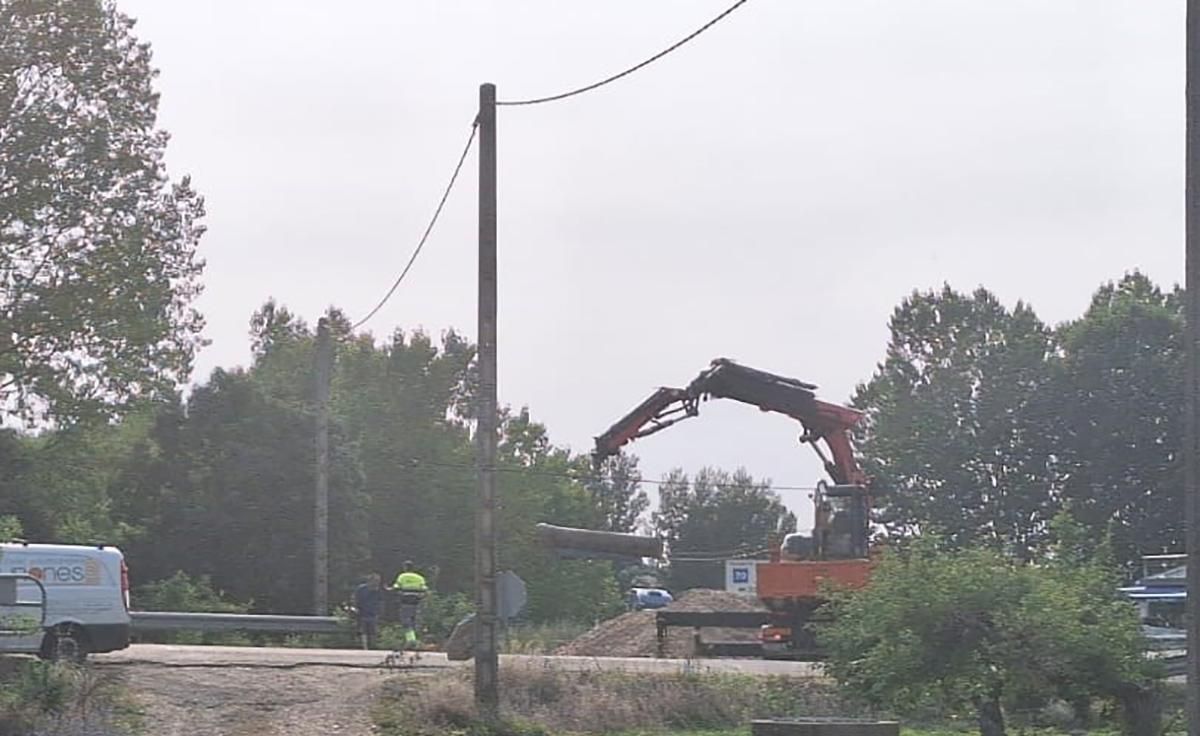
440	613
968	631
42	698
187	593
556	701
541	638
10	528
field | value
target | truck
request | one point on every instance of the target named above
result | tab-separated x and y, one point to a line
792	583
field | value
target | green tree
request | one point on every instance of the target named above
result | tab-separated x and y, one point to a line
716	514
969	631
401	405
537	484
228	495
98	269
69	484
955	429
617	492
1118	404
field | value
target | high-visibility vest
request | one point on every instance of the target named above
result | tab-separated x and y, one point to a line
410	581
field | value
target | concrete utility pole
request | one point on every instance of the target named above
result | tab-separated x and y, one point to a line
323	364
486	657
1192	387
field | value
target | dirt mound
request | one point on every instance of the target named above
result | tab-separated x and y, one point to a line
703	599
634	634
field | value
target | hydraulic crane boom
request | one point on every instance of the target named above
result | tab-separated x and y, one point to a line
725	379
841	522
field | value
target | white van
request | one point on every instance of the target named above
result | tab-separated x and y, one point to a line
87	599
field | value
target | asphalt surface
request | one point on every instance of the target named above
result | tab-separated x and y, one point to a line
217	656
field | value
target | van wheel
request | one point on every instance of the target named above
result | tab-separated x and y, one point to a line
65	643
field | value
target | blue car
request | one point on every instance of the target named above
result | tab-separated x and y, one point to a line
643	598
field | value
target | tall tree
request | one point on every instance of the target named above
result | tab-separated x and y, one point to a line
955	431
234	500
400	403
1118	406
98	266
537	484
617	492
716	514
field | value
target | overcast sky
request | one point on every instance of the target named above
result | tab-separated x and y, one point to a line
768	193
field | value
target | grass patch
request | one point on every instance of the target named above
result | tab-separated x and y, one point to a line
541	638
547	700
42	698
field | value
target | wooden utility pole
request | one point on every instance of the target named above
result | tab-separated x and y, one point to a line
486	657
1192	387
323	364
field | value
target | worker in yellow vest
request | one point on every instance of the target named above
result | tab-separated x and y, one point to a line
412	588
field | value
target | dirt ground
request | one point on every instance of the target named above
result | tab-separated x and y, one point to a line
634	634
259	700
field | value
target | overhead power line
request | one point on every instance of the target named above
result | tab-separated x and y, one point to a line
630	70
424	237
588	477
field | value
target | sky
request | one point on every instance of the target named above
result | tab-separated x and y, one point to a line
768	193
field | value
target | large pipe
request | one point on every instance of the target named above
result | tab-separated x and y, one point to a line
602	544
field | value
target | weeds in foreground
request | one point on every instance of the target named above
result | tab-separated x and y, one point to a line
541	638
550	700
44	698
539	700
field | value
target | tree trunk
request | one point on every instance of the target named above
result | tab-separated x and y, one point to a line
991	718
1141	710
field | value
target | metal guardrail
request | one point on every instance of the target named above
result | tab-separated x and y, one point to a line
160	621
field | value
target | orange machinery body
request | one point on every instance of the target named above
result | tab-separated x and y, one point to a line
785	584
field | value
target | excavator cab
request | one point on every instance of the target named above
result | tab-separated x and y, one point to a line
841	531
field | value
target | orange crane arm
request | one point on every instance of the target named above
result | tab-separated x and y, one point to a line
725	379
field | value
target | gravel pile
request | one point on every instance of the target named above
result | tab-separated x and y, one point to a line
633	634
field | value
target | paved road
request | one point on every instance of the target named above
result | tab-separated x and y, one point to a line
213	656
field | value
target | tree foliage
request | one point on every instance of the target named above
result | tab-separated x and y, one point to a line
972	632
616	490
98	269
229	496
716	514
1118	429
205	485
982	424
952	429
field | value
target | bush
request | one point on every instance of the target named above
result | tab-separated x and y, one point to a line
42	698
970	632
192	594
183	592
540	638
10	528
546	699
440	613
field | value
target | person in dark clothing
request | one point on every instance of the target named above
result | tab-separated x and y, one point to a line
368	602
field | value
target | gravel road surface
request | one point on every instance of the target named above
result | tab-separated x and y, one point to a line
206	656
236	691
